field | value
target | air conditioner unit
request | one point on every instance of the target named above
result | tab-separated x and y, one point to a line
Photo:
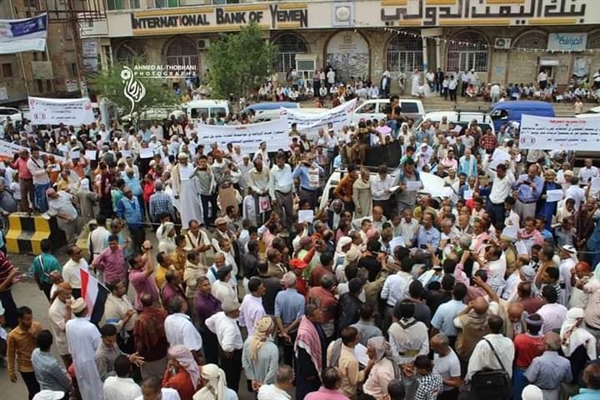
502	43
202	44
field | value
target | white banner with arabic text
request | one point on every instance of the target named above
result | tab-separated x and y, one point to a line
540	133
249	137
56	111
309	122
8	150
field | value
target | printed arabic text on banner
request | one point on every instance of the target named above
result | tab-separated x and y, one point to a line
56	111
249	136
8	149
540	133
21	35
338	116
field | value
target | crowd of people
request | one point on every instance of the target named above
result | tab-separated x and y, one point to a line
487	287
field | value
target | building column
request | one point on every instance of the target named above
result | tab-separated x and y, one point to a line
425	61
438	53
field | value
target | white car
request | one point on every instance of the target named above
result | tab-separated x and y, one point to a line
377	109
14	113
463	118
196	109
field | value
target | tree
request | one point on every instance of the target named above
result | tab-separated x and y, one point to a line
131	90
240	62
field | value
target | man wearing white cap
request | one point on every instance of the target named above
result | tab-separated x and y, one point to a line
83	339
568	259
225	326
187	189
532	392
49	395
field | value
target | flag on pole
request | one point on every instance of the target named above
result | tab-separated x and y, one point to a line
94	294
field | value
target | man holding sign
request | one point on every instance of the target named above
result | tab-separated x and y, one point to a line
41	180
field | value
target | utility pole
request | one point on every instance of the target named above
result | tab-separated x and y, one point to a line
75	29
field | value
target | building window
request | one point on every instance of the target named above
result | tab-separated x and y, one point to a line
468	51
532	40
31	3
7	70
129	51
404	53
123	4
593	41
40	85
73	70
288	46
183	52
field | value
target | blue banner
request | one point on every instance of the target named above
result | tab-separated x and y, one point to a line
20	35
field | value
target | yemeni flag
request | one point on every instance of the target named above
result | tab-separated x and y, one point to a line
95	294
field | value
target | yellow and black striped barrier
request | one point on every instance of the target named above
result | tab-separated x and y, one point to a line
26	232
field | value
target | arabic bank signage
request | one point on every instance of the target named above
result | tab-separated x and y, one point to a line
567	41
271	16
488	12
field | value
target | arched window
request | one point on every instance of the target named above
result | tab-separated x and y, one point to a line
468	50
593	41
288	46
183	52
404	52
129	51
532	40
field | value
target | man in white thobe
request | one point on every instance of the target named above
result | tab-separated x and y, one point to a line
187	190
83	339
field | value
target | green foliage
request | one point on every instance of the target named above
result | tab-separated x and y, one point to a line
109	84
239	62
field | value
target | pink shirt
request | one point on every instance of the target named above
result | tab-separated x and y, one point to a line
326	394
21	166
112	263
143	284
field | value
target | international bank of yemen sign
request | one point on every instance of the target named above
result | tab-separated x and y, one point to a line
215	19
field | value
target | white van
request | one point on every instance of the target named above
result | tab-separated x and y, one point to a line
197	109
376	109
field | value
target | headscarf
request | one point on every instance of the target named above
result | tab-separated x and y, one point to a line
344	241
383	349
215	387
336	217
262	327
185	358
572	335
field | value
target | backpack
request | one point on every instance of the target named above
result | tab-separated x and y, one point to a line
491	384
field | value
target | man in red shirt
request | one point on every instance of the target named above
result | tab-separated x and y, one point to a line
25	181
527	346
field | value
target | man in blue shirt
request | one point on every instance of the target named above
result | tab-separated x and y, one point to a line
130	210
427	233
529	188
309	173
591	378
43	266
133	182
289	309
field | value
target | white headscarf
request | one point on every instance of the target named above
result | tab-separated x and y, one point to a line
572	336
185	358
215	388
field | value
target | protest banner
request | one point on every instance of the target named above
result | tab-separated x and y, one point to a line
540	133
311	122
56	111
8	150
248	136
20	35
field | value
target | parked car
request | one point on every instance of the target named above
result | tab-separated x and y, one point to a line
462	118
377	109
505	112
